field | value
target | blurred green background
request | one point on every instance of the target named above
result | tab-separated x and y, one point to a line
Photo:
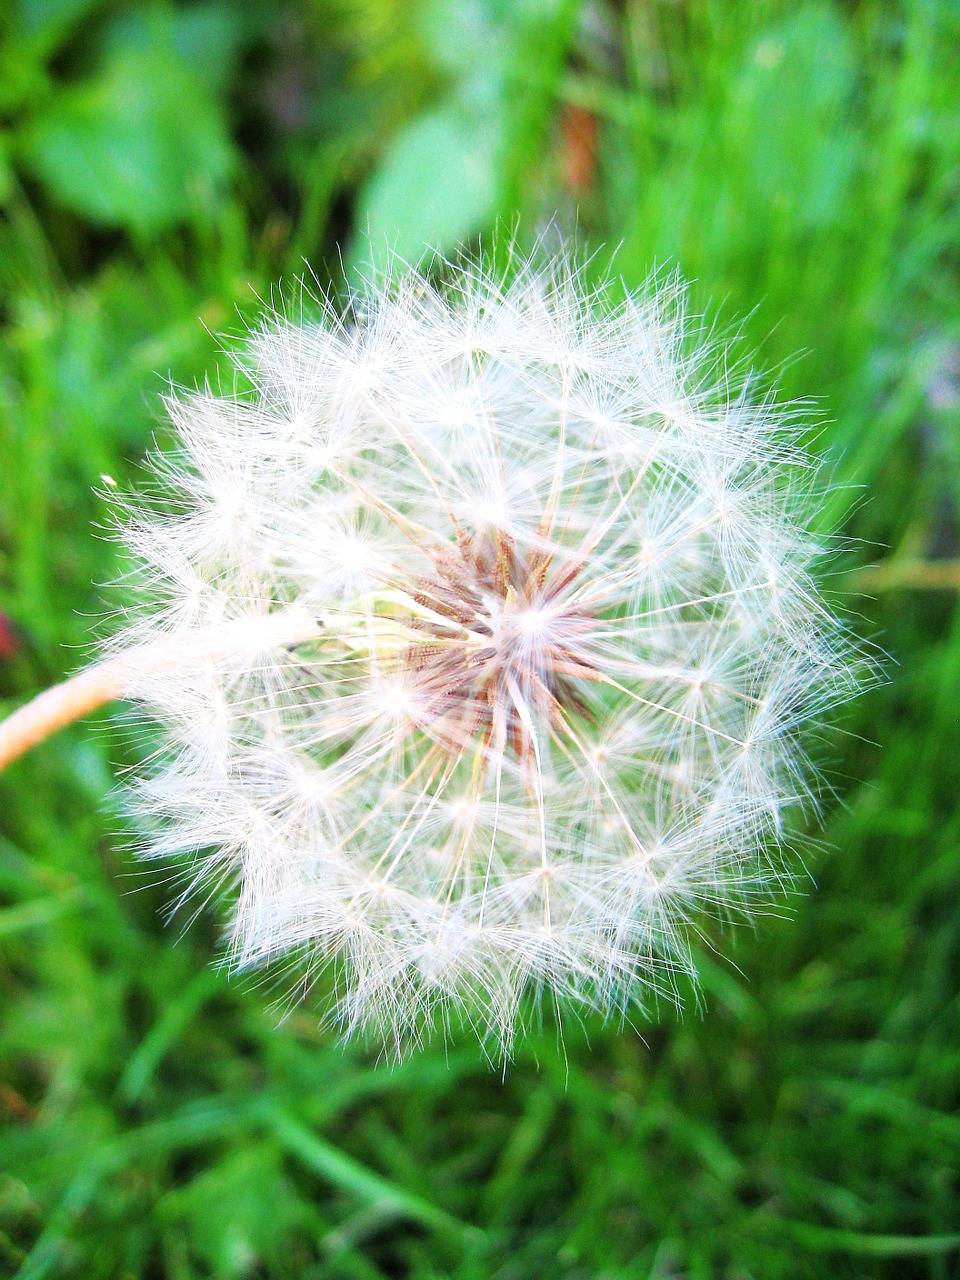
161	165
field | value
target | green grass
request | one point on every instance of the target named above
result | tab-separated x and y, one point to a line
801	164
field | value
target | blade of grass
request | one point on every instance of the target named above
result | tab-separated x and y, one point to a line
345	1172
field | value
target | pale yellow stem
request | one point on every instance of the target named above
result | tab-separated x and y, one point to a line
122	675
907	574
60	706
117	676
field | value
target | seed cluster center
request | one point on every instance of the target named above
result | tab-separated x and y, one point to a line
499	650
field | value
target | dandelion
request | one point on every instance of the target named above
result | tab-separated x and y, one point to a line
480	634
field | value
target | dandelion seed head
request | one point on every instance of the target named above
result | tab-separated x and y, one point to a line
494	634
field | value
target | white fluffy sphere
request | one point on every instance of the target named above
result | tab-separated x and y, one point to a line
507	633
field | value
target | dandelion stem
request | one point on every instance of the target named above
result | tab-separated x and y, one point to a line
115	677
61	705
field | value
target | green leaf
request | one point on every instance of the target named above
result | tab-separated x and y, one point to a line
465	36
142	146
205	39
436	185
46	24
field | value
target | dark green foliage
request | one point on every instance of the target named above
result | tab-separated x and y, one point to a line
159	166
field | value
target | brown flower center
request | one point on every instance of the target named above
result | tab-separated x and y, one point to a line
501	643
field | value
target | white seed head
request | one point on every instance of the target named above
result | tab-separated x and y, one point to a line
508	633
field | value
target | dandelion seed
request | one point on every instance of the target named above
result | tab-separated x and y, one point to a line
480	635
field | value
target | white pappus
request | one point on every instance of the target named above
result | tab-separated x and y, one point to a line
482	632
